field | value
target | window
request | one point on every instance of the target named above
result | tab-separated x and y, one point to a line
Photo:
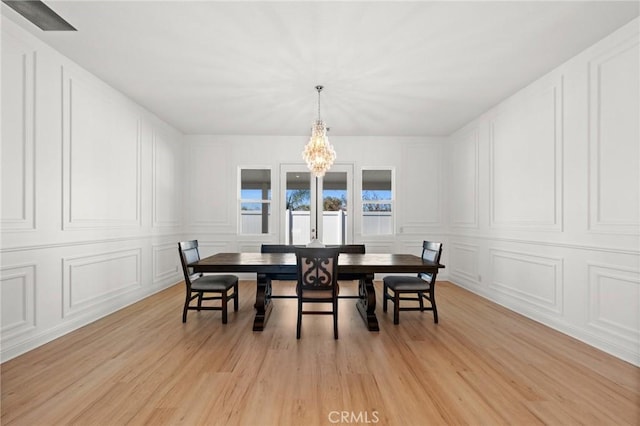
377	202
255	201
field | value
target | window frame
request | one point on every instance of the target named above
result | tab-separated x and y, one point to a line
262	201
390	201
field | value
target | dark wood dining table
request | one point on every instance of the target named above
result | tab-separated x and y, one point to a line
282	266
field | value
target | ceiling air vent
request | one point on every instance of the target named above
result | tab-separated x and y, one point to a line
40	15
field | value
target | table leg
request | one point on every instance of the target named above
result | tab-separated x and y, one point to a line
263	302
367	303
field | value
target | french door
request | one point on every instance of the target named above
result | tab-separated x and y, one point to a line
313	207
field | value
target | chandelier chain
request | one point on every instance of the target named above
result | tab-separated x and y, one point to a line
319	89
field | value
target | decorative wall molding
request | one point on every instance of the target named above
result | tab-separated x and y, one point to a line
613	140
614	301
512	122
463	259
533	280
420	214
18	296
99	203
208	248
210	184
469	142
166	173
93	280
166	262
76	243
19	66
572	246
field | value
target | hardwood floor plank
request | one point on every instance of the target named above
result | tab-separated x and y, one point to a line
482	364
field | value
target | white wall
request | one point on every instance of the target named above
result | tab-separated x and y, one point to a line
212	172
91	197
544	196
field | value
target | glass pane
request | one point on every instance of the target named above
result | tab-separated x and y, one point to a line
334	191
334	204
298	206
254	218
377	222
255	184
376	185
377	209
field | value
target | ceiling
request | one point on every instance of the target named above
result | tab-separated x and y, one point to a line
389	68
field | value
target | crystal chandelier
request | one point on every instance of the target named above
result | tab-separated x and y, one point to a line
318	153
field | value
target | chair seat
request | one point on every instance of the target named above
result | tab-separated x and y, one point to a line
400	283
214	283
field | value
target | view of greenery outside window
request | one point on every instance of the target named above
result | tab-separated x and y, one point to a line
298	199
334	192
377	202
255	201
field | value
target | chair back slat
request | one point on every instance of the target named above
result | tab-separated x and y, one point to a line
188	254
317	267
432	252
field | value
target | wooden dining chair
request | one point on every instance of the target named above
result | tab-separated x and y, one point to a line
317	270
199	285
421	287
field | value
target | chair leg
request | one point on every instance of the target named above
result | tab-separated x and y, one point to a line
432	298
223	296
421	301
396	307
235	297
200	300
299	319
335	319
385	296
186	307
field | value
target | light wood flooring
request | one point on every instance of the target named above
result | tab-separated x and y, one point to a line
481	365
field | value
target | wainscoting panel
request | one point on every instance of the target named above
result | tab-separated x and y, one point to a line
464	180
463	262
167	196
614	132
422	163
91	196
19	61
534	281
526	155
209	248
96	279
614	302
210	181
18	300
99	131
166	262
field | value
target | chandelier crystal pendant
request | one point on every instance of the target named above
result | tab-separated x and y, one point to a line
318	153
